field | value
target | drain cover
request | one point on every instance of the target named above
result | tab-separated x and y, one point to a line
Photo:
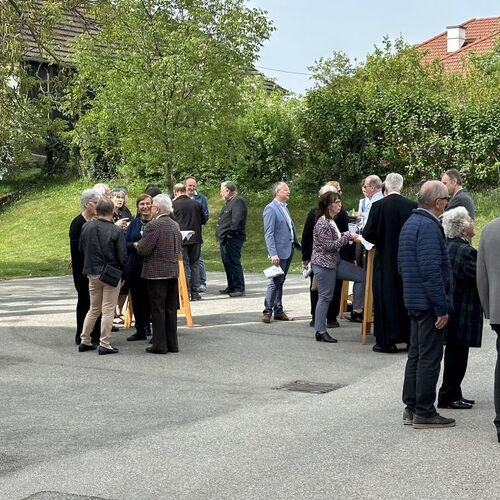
311	387
59	495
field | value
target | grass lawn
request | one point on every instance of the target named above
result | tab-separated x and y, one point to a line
35	226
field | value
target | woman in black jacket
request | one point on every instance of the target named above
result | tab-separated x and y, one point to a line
465	323
88	200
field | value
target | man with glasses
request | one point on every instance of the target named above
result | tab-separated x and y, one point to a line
424	266
373	191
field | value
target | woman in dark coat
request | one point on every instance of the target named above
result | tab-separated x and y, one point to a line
88	200
140	301
465	323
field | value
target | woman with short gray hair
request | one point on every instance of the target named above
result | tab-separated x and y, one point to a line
465	324
88	201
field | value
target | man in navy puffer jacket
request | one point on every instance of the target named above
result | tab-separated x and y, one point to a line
425	269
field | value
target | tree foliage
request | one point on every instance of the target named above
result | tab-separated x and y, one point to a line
159	87
394	113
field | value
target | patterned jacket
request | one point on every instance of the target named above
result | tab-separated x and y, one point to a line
160	246
326	244
465	325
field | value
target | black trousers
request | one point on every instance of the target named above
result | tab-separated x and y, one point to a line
424	363
455	366
140	303
230	251
334	308
81	283
496	389
163	296
191	257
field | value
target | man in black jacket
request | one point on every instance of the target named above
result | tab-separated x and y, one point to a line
230	233
190	216
101	243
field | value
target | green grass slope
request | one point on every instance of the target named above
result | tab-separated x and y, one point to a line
35	227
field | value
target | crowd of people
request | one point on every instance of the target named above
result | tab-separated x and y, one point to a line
430	286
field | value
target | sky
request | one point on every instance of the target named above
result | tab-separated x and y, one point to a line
306	30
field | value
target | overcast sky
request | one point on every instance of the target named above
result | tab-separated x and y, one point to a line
309	29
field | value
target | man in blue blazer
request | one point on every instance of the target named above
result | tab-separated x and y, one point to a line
280	236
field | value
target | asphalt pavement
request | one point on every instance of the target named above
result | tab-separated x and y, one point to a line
211	422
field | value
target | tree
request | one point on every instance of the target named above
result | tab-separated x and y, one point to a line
159	87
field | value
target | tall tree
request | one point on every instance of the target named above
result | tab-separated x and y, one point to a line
160	83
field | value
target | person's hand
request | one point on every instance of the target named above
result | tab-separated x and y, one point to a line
441	322
354	237
275	260
122	223
305	263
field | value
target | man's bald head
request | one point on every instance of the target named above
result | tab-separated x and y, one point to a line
433	196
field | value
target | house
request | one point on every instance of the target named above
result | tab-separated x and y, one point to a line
477	35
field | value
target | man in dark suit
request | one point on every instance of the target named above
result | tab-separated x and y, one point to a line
160	246
190	216
387	216
230	232
459	197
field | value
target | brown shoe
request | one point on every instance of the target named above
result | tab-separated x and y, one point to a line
266	318
282	317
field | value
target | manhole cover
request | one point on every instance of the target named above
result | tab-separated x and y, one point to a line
59	495
311	387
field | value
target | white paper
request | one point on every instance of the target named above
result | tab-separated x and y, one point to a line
186	235
273	271
365	243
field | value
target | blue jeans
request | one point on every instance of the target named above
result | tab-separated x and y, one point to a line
230	251
274	292
203	271
326	279
423	365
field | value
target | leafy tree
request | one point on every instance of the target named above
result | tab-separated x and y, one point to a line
159	87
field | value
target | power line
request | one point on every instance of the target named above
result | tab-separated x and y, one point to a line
284	71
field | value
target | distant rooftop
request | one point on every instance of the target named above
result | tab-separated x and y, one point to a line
477	35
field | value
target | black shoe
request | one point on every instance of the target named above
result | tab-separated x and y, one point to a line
407	416
325	337
356	317
115	329
237	293
389	350
137	336
311	323
225	291
86	347
456	405
152	350
498	436
106	350
435	422
332	324
468	401
78	339
195	296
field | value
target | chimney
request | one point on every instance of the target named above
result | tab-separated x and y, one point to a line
455	37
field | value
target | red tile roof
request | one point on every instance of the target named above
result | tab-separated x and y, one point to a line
480	36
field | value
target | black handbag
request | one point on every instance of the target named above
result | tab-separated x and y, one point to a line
110	275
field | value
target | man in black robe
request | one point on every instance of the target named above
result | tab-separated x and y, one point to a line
387	216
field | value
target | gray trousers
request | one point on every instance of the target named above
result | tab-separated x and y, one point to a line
326	279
